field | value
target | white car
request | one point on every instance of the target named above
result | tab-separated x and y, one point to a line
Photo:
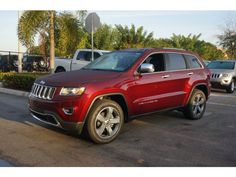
81	58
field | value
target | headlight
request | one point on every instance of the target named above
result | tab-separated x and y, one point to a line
225	75
70	91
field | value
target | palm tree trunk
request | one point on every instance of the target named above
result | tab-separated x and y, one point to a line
52	43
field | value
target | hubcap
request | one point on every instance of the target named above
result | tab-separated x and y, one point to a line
198	104
107	122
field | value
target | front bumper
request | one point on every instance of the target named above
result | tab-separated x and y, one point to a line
220	82
53	119
50	112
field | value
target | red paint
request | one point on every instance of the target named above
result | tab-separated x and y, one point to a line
143	93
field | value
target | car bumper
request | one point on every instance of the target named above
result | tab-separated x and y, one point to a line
51	113
220	82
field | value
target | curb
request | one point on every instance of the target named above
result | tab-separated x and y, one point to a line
14	92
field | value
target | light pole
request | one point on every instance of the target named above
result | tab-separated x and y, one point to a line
20	56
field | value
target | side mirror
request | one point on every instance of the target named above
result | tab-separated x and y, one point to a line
147	68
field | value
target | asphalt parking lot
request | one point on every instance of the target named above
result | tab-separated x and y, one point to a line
162	139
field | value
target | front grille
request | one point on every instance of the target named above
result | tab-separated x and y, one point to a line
215	75
42	91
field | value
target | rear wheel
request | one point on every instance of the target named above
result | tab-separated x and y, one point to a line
105	121
231	87
196	105
60	69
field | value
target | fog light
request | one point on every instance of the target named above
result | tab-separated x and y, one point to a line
68	111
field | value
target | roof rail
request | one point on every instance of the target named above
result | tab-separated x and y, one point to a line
173	48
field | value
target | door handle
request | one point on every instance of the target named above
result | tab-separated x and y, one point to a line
165	76
74	63
190	74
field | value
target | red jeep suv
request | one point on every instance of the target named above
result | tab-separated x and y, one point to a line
120	85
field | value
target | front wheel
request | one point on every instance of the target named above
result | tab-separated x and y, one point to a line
105	121
231	87
196	105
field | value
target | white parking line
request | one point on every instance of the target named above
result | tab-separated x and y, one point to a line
221	104
219	95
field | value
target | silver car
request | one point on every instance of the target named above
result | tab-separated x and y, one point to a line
223	74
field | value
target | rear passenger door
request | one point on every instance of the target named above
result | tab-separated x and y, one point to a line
178	76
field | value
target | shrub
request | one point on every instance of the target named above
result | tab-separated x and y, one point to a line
20	81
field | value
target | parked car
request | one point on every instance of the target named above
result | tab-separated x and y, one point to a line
8	63
121	85
207	62
35	63
81	58
223	74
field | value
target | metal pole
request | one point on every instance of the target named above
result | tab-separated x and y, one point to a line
92	39
19	49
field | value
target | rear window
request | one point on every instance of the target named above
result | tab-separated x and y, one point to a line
192	61
175	62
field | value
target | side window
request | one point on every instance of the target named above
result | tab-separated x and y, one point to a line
175	62
157	60
89	56
192	61
96	55
83	56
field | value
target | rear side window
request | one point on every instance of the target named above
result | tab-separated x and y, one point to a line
192	61
175	62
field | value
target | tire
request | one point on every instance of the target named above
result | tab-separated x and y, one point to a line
196	105
105	121
60	69
29	68
231	87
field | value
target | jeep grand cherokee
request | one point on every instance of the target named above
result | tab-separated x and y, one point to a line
118	86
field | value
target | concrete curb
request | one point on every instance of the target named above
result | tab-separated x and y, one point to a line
14	92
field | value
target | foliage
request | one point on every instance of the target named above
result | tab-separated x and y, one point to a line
228	39
132	38
19	81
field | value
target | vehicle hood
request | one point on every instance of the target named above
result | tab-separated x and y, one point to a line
221	71
78	77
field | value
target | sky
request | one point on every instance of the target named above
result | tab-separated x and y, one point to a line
162	23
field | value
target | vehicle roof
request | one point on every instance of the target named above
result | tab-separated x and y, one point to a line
224	60
156	49
95	50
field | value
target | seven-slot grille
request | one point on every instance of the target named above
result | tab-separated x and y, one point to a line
215	75
42	91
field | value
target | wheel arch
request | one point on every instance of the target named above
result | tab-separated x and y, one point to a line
117	97
60	67
200	86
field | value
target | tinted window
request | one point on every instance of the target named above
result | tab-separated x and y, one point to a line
221	65
175	62
157	60
83	55
89	56
193	61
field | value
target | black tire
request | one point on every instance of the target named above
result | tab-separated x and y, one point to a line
94	125
230	88
196	105
60	69
29	68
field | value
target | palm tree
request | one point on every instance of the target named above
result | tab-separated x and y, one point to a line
57	30
132	38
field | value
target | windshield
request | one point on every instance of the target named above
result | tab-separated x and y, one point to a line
115	61
221	65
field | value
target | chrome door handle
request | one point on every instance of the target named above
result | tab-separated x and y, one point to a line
74	63
165	76
190	74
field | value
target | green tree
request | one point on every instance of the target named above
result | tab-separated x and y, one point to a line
132	38
228	39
